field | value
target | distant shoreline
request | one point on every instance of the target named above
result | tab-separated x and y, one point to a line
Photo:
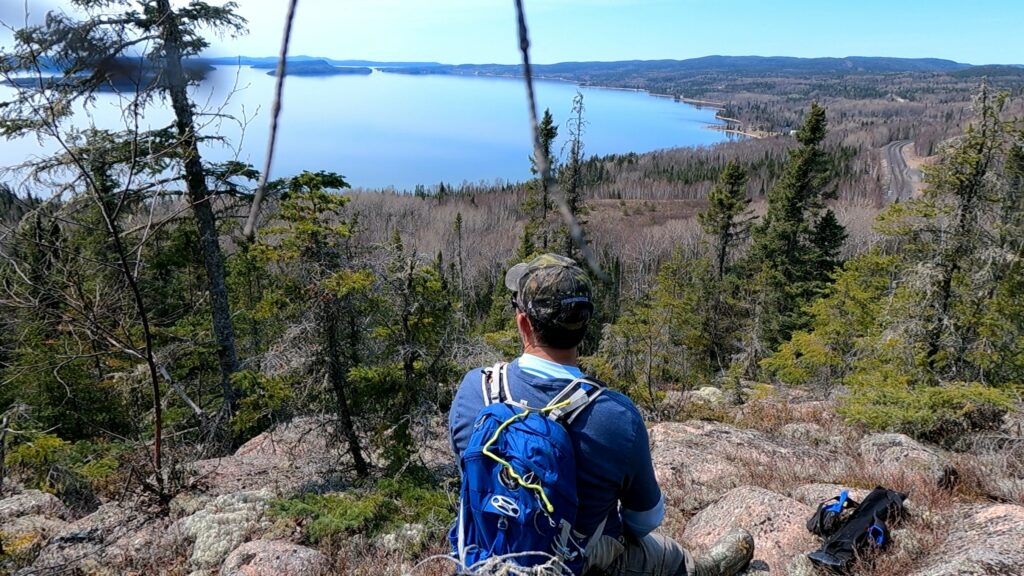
719	106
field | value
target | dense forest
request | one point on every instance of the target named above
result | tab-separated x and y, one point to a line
141	330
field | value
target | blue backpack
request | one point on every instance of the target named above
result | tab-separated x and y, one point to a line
518	494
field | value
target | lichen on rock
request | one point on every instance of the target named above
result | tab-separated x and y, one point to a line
222	526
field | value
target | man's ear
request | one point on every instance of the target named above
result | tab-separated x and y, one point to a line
525	328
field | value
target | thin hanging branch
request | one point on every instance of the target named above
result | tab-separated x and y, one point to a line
550	186
275	112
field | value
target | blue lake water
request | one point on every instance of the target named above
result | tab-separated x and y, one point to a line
393	130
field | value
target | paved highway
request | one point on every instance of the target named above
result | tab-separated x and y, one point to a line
901	185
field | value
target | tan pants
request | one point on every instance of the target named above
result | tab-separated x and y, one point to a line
652	555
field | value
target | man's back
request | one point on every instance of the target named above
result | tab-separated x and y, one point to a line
613	462
615	481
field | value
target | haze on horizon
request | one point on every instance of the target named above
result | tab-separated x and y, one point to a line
483	31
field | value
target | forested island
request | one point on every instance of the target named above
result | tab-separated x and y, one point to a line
314	68
833	305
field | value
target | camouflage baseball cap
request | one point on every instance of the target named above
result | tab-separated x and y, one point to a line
553	290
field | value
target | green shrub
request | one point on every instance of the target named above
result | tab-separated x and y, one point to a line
38	459
263	399
884	400
75	472
804	359
384	507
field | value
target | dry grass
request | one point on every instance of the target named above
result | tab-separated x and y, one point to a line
921	532
914	539
766	410
993	471
358	557
362	556
772	415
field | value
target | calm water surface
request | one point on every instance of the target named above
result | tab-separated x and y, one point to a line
396	130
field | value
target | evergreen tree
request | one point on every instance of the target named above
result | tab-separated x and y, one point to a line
97	303
460	267
537	233
727	220
963	199
140	46
408	370
927	330
312	241
797	240
826	240
12	207
571	175
658	341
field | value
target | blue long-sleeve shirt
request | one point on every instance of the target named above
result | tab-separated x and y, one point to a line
614	474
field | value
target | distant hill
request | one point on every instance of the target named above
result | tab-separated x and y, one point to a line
588	71
271	62
711	64
992	71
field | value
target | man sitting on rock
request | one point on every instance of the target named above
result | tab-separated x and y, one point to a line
620	503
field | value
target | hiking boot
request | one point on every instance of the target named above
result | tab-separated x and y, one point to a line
728	556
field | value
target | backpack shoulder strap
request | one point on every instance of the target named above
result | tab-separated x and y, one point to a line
573	399
494	384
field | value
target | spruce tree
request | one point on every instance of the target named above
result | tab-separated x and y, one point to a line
727	220
571	174
311	242
407	370
926	330
798	240
537	234
967	195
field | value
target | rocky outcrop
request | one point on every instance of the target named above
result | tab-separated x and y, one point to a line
24	536
988	541
776	522
810	433
814	494
274	558
32	502
89	542
286	459
221	526
714	476
696	461
899	454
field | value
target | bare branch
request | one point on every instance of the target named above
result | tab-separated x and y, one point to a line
275	111
548	182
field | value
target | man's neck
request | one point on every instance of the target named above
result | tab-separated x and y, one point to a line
568	357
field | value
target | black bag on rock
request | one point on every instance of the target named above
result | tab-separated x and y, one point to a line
865	529
831	515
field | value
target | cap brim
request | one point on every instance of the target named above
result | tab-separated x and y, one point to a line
514	275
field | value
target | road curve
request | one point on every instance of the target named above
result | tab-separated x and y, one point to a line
901	186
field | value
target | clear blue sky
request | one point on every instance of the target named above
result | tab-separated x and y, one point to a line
483	31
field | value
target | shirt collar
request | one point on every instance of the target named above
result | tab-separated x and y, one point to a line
538	367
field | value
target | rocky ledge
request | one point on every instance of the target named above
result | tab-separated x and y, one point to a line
715	476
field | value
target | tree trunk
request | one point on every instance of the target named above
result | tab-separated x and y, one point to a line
99	184
199	197
339	382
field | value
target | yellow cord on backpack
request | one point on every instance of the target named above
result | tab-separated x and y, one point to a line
512	471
